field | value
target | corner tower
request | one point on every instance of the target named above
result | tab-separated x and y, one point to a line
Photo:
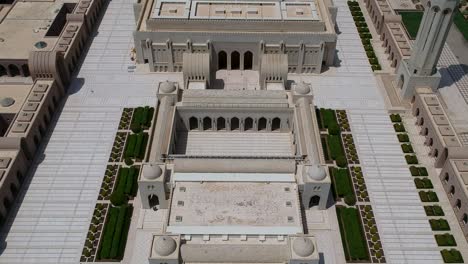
420	69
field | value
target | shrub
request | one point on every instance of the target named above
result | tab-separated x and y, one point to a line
350	199
445	240
376	67
130	146
365	42
370	54
336	149
414	171
407	148
429	196
358	18
342	180
341	161
439	224
403	138
128	161
357	13
353	3
363	30
333	129
452	256
396	118
423	171
353	238
423	183
373	61
136	128
115	233
367	36
368	48
118	198
328	117
411	159
433	210
399	127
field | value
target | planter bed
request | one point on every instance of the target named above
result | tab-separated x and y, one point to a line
343	183
418	171
445	240
399	127
434	210
423	183
352	233
115	233
407	148
428	197
136	146
142	118
439	225
396	118
403	138
328	117
411	159
452	256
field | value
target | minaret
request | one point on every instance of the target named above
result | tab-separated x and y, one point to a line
420	70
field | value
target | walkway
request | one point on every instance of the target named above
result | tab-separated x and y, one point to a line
53	218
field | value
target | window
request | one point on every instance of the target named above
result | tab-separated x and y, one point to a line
458	204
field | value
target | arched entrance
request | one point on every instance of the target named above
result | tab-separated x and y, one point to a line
276	124
13	70
248	60
235	60
25	69
2	70
153	201
193	123
235	123
220	123
262	124
248	124
207	125
314	201
222	60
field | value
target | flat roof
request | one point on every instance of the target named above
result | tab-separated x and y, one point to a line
18	92
234	177
235	208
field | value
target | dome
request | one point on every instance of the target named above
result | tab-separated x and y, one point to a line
164	246
7	101
152	171
315	172
303	246
40	45
302	88
167	87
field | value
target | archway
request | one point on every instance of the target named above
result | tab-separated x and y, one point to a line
193	123
421	121
446	177
276	124
431	142
220	123
425	132
401	82
25	69
452	190
235	123
222	60
153	201
465	219
458	204
207	125
248	60
13	70
314	201
262	123
417	112
248	124
3	71
235	60
436	153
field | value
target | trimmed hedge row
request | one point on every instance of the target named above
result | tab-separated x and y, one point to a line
411	159
439	224
328	117
396	118
418	171
399	127
423	183
136	146
445	240
142	118
434	210
429	196
407	148
343	184
336	149
403	138
354	242
115	233
126	185
452	256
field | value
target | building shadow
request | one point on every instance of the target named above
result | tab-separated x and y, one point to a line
451	74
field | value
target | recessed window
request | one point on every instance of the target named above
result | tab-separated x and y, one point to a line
458	204
180	203
288	204
290	219
178	218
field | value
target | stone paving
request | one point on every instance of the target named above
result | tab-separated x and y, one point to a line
53	217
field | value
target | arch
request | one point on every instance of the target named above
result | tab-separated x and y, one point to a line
248	60
235	60
275	124
314	201
452	190
220	123
436	153
421	122
401	82
465	219
425	132
3	71
13	189
222	60
248	124
413	99
193	123
234	123
207	124
262	124
446	177
447	11
458	204
153	201
13	70
25	69
431	142
417	112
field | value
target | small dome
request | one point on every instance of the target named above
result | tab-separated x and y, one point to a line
152	171
302	88
303	246
167	87
40	44
315	172
7	101
164	246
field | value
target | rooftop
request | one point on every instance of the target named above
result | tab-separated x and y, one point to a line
18	92
235	208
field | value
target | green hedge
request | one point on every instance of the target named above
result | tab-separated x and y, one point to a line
429	196
411	159
115	233
127	181
411	20
399	127
418	171
423	171
353	3
396	118
354	242
136	145
452	256
445	240
461	23
407	148
328	117
423	183
336	149
434	210
343	183
403	137
142	117
439	225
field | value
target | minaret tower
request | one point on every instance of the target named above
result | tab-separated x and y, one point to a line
420	70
